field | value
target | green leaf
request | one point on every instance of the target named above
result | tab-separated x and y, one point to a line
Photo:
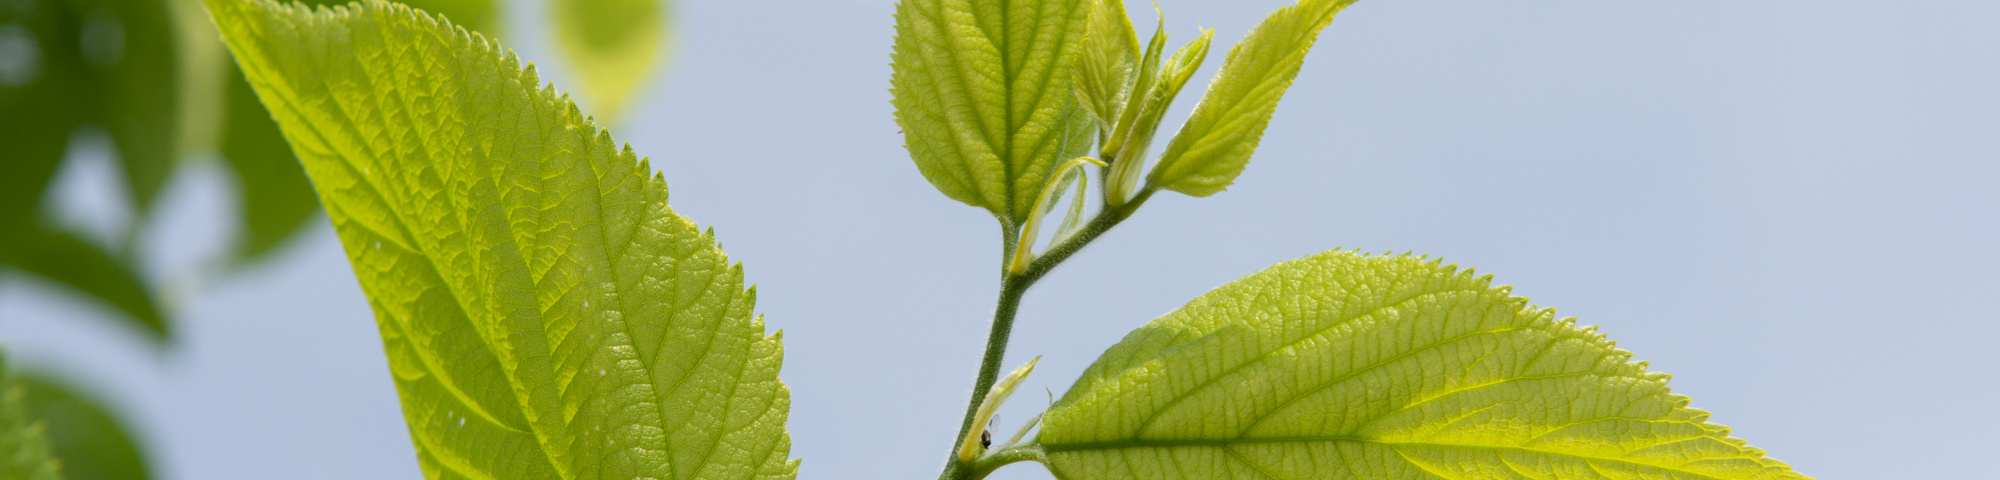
481	16
1109	63
1217	140
91	443
1144	111
544	312
110	63
39	107
88	268
277	200
1342	365
613	45
982	91
24	452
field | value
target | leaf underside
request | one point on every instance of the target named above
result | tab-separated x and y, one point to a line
982	91
1215	144
1342	365
545	314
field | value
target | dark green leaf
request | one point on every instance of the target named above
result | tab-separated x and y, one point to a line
24	452
278	202
90	442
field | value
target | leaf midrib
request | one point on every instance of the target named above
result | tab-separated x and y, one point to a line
1053	449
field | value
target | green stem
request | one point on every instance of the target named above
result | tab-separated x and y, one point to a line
1012	288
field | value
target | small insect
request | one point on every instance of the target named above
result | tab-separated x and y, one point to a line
986	435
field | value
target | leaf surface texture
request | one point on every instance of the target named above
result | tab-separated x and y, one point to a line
982	92
1342	365
1215	144
545	314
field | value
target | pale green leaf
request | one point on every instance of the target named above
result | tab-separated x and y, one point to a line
982	91
1215	144
1108	64
613	45
1144	112
91	443
24	451
545	314
1342	365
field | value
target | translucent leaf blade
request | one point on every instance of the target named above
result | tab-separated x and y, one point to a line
1215	144
614	46
1107	66
91	443
982	92
545	313
1342	365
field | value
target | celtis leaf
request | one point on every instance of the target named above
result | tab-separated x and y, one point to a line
91	443
613	45
1108	63
85	267
1342	365
982	91
481	16
277	200
545	314
1215	143
24	452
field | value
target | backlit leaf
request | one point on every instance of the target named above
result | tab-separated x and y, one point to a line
1109	63
1215	144
1342	365
982	91
545	314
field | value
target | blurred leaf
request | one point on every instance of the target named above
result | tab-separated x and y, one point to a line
128	47
40	104
1343	365
86	438
1214	145
613	45
982	91
24	452
40	90
277	201
545	313
70	260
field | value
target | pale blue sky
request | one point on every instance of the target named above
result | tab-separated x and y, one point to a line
1791	206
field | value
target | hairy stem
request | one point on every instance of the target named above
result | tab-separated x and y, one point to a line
1012	288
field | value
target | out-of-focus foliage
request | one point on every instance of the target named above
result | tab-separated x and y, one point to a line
91	443
613	46
64	64
24	452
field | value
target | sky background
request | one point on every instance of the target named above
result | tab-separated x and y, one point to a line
1792	206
